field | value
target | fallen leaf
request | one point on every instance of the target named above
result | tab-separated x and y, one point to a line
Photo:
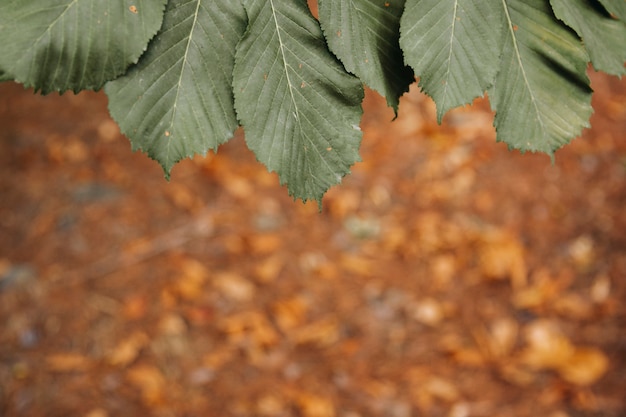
443	270
501	256
544	289
172	325
502	337
357	265
548	348
236	186
97	412
584	367
581	250
442	389
128	349
150	381
271	405
249	328
268	269
323	333
573	305
265	243
135	307
600	289
290	313
428	311
191	280
68	362
233	286
315	406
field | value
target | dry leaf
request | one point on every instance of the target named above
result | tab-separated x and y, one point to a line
265	243
150	381
268	269
251	326
428	311
544	289
270	405
441	389
322	333
502	337
601	289
182	197
315	406
128	349
172	325
238	187
234	287
218	357
573	305
135	307
68	362
548	348
97	412
290	313
340	204
190	283
502	256
582	252
357	265
443	270
584	367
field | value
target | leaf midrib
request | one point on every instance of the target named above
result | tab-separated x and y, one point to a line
518	57
180	78
284	60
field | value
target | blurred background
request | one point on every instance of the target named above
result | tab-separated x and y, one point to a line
446	276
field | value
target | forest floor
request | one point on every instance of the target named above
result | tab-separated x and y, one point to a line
446	276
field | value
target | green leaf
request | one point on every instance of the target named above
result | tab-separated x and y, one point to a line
177	101
364	35
603	37
59	45
299	107
616	7
541	95
454	47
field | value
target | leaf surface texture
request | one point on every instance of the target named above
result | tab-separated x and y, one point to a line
364	35
299	108
59	45
177	101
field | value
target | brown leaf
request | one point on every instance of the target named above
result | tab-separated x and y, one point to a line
250	326
135	307
290	313
265	243
322	333
357	265
573	305
270	405
233	286
502	337
68	362
315	406
150	381
442	389
128	349
502	256
428	311
548	348
191	281
584	367
268	269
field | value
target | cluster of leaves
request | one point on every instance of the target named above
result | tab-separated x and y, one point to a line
182	75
